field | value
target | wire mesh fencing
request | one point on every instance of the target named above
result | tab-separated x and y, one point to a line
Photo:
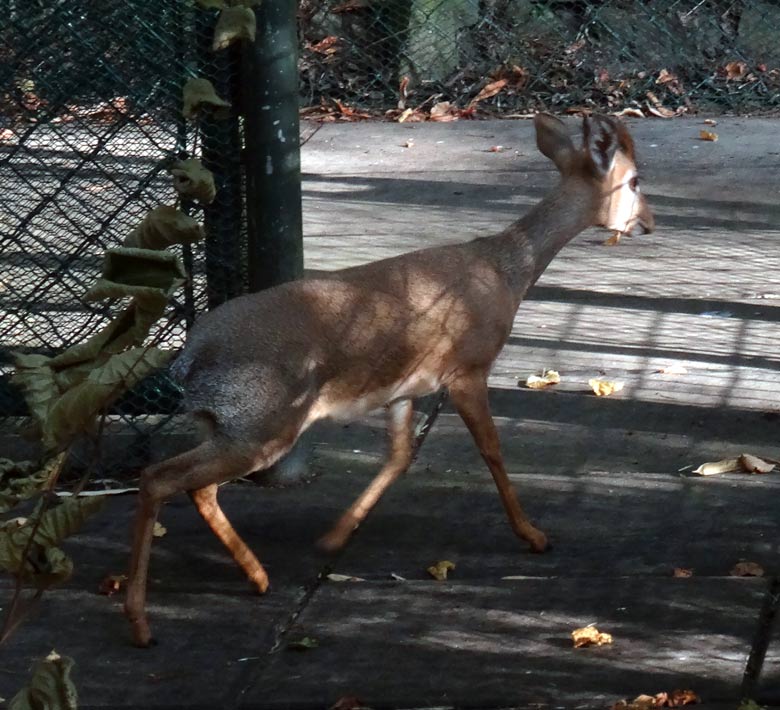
90	118
658	58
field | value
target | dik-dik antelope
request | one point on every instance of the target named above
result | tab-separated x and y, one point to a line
259	370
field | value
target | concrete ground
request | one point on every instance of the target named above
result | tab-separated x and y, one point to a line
609	479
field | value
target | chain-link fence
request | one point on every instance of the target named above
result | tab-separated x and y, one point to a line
657	57
90	115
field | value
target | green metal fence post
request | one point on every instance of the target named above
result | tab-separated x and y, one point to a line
270	104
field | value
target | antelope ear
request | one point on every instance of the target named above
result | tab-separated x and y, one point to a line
600	141
553	140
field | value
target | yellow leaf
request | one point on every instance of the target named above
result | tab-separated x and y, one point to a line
165	225
440	569
405	114
159	530
589	636
747	569
200	93
708	136
234	23
550	377
604	388
191	179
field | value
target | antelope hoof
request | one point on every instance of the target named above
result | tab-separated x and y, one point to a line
538	541
142	635
260	583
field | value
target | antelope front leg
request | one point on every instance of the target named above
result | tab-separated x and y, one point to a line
470	397
399	427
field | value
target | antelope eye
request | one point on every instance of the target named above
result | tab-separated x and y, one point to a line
633	183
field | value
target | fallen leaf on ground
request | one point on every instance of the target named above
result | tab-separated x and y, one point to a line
397	577
443	111
405	114
673	370
708	136
735	70
630	112
408	144
333	577
326	46
710	122
613	240
655	107
111	584
712	468
682	572
604	388
550	377
676	698
496	149
159	530
489	91
589	636
303	644
747	569
753	464
746	462
440	569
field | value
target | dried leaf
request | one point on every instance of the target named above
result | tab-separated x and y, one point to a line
753	464
397	577
234	24
443	111
111	584
489	91
333	577
405	114
409	143
440	569
655	107
710	122
198	94
747	569
674	369
304	644
711	468
51	687
326	46
159	530
735	70
589	636
165	225
708	136
550	377
678	698
682	572
45	564
20	480
190	179
614	240
630	112
496	149
604	388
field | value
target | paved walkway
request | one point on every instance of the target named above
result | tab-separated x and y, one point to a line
608	479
